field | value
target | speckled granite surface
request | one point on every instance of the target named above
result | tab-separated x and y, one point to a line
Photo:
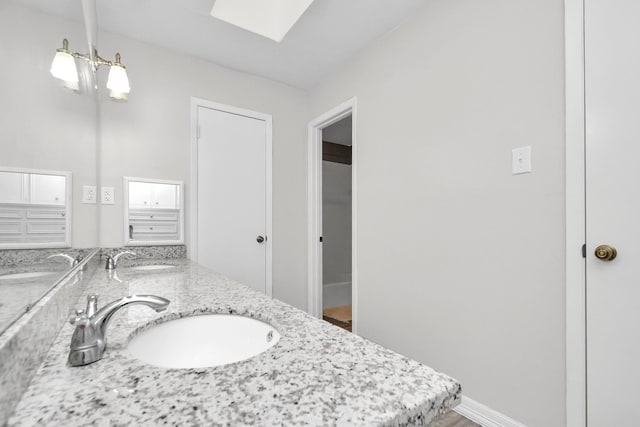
18	294
24	345
17	257
317	374
149	252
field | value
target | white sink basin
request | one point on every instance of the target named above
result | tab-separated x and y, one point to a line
203	340
153	267
31	275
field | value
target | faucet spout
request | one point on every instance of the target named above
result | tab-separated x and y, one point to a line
89	339
112	261
100	321
72	261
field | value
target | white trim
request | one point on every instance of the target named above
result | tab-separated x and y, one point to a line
125	204
192	247
314	208
484	415
576	350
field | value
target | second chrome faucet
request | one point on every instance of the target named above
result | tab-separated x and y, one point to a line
112	261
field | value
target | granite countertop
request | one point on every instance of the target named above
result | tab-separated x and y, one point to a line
19	292
317	374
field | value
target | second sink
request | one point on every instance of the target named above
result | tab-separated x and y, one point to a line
202	341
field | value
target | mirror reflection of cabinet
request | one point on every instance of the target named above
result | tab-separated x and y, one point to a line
154	212
35	208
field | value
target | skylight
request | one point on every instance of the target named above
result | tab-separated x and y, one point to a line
269	18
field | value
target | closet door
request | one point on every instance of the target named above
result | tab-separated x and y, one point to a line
612	72
232	196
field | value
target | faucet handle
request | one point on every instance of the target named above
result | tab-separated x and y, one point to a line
77	316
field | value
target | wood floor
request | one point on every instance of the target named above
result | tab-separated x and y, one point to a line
453	419
339	316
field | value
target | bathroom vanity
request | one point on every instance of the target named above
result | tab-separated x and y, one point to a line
316	374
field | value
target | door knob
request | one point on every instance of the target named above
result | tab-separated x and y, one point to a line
606	253
260	239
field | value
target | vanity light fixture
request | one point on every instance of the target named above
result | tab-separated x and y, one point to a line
64	68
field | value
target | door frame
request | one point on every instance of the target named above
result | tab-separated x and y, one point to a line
575	211
314	208
192	196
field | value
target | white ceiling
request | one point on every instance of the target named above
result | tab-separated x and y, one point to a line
327	35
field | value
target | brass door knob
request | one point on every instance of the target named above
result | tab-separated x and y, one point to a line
606	253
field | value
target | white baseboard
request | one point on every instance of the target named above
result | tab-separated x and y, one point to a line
484	415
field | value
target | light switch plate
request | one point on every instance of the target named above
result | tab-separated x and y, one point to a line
108	196
521	160
89	194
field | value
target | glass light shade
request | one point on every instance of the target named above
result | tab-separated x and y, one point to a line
64	68
118	82
119	96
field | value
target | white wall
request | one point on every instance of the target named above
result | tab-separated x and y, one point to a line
42	124
149	137
461	264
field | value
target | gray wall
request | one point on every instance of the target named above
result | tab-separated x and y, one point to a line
149	137
461	264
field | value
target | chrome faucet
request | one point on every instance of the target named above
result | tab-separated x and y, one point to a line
112	261
72	261
89	339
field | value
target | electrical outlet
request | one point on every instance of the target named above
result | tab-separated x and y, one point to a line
108	196
88	194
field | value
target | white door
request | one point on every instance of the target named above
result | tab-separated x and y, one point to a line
232	214
612	72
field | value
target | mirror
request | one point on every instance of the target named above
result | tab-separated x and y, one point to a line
47	137
154	212
35	208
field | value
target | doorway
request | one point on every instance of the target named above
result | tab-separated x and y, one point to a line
332	225
231	193
336	223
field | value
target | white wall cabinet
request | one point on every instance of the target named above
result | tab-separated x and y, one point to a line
154	214
13	187
47	189
35	208
151	195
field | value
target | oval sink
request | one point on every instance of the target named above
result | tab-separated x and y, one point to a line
153	267
31	275
202	341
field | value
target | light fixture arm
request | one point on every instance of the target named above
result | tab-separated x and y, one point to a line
97	60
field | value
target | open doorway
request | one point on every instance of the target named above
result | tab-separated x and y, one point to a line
332	217
336	223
